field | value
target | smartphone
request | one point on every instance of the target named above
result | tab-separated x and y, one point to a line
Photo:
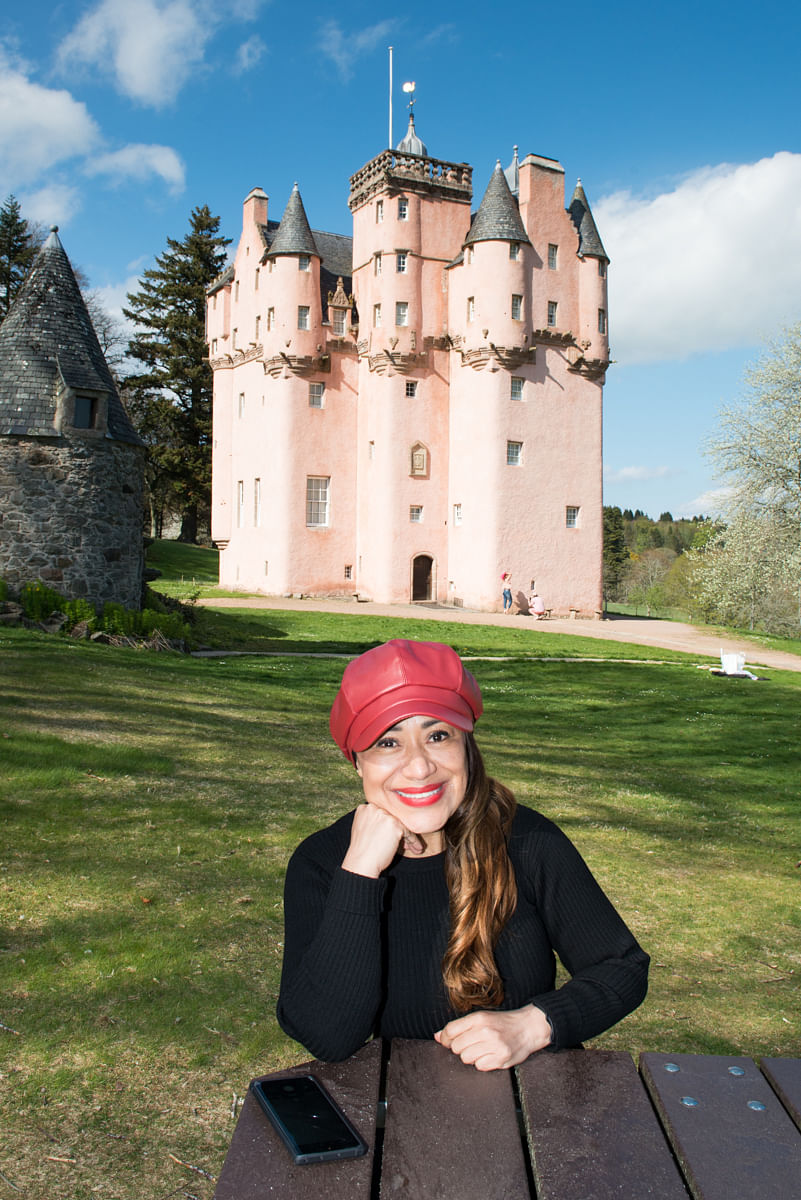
310	1123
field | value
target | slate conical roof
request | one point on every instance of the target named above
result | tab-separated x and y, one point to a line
411	143
498	217
293	235
590	244
47	340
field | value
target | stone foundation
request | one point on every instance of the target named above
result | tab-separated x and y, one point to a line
71	515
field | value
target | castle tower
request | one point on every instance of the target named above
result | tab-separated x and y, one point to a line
71	464
410	215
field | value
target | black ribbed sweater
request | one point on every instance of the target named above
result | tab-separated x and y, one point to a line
362	957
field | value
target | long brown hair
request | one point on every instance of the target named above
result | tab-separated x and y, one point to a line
482	886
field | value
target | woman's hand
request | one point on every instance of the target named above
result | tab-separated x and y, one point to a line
492	1040
375	839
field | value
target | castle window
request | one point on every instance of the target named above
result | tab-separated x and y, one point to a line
241	404
571	517
514	250
257	502
602	268
303	316
517	308
377	315
514	454
553	252
270	319
469	255
236	290
377	263
214	345
471	308
84	413
411	388
339	322
457	514
379	211
602	320
551	312
304	262
258	328
401	313
317	498
256	283
419	461
416	513
240	502
348	570
403	209
316	393
234	336
401	262
516	391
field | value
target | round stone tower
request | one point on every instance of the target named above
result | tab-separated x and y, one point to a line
71	463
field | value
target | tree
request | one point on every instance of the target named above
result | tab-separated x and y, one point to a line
18	247
615	553
170	399
752	569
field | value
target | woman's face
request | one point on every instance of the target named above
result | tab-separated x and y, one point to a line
417	772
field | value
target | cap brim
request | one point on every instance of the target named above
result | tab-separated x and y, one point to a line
369	726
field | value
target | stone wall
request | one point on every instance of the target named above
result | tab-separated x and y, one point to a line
71	515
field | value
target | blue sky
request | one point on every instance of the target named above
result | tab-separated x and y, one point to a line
117	117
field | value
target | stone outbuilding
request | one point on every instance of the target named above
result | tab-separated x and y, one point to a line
71	463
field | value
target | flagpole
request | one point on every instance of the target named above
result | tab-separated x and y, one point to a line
390	98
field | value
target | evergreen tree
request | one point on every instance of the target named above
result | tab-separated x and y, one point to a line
170	399
615	554
18	247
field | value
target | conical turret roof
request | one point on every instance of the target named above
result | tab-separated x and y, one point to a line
498	217
590	244
411	143
47	340
294	235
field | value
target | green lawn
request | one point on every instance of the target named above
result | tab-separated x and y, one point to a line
150	802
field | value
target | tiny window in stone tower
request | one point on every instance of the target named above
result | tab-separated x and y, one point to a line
553	251
551	312
401	312
411	388
471	308
602	268
339	322
303	316
514	454
602	320
304	262
349	570
403	209
379	211
416	513
401	262
571	516
516	392
85	412
517	308
514	250
316	394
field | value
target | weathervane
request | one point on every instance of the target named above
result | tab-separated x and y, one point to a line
409	89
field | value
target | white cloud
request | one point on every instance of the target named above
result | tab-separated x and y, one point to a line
249	54
709	504
150	47
39	127
138	161
714	264
631	474
345	48
51	205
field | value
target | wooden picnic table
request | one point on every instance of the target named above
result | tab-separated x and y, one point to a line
575	1125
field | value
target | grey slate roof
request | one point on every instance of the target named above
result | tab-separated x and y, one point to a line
590	244
294	236
46	337
498	217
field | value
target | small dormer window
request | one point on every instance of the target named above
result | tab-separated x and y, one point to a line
85	412
304	262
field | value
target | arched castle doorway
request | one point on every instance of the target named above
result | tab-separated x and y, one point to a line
422	577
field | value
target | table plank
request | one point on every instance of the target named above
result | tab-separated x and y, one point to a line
592	1132
736	1138
451	1131
258	1164
784	1076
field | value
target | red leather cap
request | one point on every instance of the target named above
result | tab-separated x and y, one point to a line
397	680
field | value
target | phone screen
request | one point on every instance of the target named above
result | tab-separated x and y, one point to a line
308	1120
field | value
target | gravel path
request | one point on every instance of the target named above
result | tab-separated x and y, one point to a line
643	631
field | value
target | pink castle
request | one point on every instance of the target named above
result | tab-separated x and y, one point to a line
410	414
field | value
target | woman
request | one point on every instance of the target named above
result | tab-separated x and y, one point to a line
506	591
434	910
